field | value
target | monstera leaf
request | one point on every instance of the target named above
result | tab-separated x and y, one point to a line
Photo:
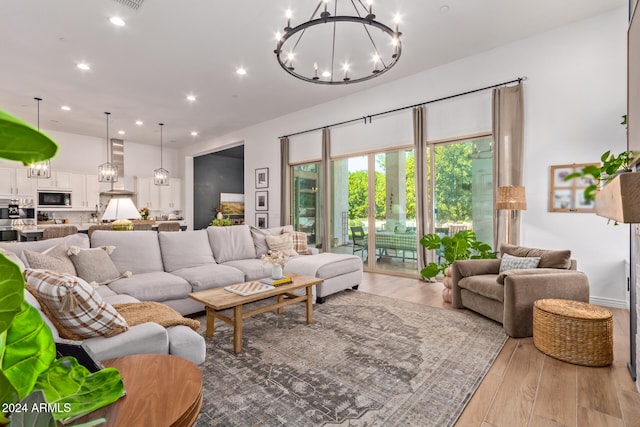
21	142
73	390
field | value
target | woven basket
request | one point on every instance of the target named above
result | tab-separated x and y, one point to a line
574	332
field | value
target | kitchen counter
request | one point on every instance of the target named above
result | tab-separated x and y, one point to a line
30	233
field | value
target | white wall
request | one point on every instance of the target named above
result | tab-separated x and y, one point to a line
83	154
574	96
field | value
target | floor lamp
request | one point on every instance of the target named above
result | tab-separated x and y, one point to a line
511	198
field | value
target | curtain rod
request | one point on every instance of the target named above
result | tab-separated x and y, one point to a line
369	117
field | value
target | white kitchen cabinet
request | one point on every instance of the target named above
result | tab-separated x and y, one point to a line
58	181
148	194
171	195
15	183
86	194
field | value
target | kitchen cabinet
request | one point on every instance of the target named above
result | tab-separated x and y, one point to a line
86	194
171	195
148	194
15	183
58	181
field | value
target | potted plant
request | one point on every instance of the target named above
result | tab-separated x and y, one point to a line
462	245
221	222
611	167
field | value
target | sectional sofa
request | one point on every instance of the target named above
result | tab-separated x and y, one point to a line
167	266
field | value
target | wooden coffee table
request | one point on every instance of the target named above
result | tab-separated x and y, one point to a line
162	390
218	299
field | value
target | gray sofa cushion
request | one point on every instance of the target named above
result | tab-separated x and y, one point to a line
325	265
231	243
485	285
147	338
79	239
259	236
252	269
155	286
548	258
136	251
185	249
210	276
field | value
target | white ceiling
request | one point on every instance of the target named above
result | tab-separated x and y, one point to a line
171	48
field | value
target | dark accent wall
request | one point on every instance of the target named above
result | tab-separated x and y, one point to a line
214	174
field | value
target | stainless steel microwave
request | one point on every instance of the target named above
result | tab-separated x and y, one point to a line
54	199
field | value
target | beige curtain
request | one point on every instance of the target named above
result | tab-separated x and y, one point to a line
423	212
285	183
508	145
326	191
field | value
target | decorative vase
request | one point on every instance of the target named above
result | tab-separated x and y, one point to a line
276	272
219	215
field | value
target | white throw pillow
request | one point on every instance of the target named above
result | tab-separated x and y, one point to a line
282	243
510	262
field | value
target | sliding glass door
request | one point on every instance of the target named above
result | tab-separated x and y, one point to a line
306	205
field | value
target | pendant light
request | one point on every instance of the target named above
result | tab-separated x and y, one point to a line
108	172
39	169
161	175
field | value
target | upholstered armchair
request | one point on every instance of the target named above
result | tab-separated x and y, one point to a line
508	297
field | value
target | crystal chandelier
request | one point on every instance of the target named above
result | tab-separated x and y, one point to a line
161	175
108	172
39	169
352	48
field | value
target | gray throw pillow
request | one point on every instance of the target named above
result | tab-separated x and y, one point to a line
95	266
53	259
510	262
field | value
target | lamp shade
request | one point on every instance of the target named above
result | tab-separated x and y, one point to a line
511	197
121	208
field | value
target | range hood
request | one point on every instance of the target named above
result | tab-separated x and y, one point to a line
122	187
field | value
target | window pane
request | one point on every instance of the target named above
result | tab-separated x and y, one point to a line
307	202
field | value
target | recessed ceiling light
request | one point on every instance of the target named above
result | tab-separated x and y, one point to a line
65	108
139	122
117	21
83	66
191	98
194	133
444	9
121	132
241	71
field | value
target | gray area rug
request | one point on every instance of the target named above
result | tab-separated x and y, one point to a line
366	360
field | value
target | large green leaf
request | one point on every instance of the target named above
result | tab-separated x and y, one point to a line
21	142
28	349
74	390
33	413
8	394
11	292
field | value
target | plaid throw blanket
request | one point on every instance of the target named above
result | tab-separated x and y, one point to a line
136	313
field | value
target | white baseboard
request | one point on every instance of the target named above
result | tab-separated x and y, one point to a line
609	302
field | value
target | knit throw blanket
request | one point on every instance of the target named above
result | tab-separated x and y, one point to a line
136	313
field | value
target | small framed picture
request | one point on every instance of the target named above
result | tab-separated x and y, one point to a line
262	200
262	178
262	220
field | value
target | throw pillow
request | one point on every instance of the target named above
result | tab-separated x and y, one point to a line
95	266
13	257
509	262
77	310
282	243
299	241
55	259
548	258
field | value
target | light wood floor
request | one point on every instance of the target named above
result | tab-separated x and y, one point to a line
524	387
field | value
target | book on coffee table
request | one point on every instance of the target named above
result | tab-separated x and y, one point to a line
248	288
276	282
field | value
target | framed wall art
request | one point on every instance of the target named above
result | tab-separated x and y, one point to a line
262	178
262	220
262	200
568	196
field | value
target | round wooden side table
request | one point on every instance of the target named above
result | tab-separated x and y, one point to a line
573	331
162	390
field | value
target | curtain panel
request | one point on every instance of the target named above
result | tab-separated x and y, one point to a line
285	183
423	211
508	144
326	190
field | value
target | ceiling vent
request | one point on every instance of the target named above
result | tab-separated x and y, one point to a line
133	4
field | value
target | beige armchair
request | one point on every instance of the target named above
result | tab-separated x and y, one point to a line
508	297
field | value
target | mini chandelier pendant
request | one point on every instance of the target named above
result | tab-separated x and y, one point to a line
108	172
39	169
352	32
161	175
